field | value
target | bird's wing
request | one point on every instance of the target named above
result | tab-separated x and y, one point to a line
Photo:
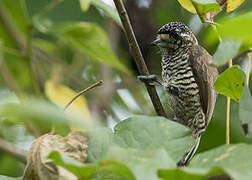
205	74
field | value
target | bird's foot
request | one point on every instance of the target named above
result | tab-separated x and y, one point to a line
152	80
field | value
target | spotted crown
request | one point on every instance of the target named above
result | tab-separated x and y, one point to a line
177	27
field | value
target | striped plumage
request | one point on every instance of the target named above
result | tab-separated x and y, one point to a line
188	76
183	90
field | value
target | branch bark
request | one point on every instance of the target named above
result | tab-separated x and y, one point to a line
13	150
137	55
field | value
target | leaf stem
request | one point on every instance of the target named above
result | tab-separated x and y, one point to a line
248	68
228	113
138	57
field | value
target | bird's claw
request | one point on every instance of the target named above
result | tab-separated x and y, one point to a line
150	79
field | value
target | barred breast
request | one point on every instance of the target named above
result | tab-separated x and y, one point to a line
183	92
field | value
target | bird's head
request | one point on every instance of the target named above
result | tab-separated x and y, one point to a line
174	35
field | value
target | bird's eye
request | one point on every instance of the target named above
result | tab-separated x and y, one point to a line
164	36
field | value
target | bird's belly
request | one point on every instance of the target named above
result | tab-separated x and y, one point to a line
184	100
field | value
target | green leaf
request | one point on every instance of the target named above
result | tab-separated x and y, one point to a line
109	11
10	178
231	82
188	173
84	4
188	5
90	39
226	50
233	4
204	6
245	112
233	159
237	26
41	116
98	143
102	170
143	143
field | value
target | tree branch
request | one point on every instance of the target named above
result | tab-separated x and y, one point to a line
137	55
13	150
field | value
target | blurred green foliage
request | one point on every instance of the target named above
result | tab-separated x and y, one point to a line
79	42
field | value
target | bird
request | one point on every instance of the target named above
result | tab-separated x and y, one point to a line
188	76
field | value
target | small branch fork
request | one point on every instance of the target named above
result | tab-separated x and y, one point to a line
137	55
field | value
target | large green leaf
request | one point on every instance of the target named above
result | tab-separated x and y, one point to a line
188	173
40	116
233	159
236	26
90	39
227	49
102	170
143	143
245	112
231	82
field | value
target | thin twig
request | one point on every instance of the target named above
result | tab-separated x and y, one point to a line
228	113
248	68
99	83
11	149
137	55
236	60
48	7
10	80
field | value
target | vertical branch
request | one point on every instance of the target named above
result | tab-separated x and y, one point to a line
137	55
228	113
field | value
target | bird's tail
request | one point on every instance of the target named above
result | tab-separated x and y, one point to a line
188	156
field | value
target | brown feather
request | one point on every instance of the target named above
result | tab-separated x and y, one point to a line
205	74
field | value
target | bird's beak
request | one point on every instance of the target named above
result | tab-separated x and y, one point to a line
156	42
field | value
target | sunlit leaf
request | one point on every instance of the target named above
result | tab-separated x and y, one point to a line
231	82
204	6
62	95
187	4
90	39
227	49
233	4
102	170
245	112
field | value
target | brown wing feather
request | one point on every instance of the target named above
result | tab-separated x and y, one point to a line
205	74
